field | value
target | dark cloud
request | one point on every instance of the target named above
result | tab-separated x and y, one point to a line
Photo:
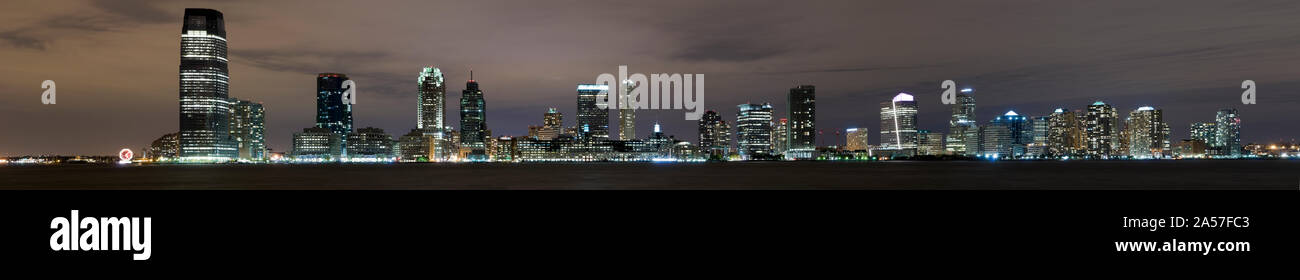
142	11
19	40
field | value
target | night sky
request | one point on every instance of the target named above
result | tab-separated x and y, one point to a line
116	61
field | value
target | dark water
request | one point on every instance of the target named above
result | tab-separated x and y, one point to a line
1258	174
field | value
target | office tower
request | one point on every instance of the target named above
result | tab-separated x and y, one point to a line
1011	142
1227	135
754	130
781	137
898	123
801	133
929	143
331	112
1148	134
473	122
1038	141
165	148
431	108
627	114
552	125
248	127
534	132
593	122
415	146
962	127
370	144
1102	130
857	139
995	141
204	85
1204	131
1065	136
505	148
317	144
715	135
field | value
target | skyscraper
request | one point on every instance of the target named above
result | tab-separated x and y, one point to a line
898	123
962	126
857	139
204	85
1148	134
473	122
552	125
1038	144
1102	130
1011	142
331	112
593	122
801	133
248	127
431	100
715	135
781	136
754	130
1227	135
626	114
1065	135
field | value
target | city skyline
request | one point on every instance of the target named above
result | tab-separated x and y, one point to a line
142	105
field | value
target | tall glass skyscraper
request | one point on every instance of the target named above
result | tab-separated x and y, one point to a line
754	130
801	133
431	100
331	112
1065	135
593	122
898	123
1204	131
963	123
1102	130
473	121
204	85
715	135
626	114
248	126
1148	134
1227	135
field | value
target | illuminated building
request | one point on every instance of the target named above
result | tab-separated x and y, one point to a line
962	127
929	143
898	123
505	148
715	135
1189	148
593	122
754	131
800	141
370	144
166	148
473	122
1007	136
1102	129
317	144
1204	131
1065	135
857	139
331	112
1227	135
415	146
248	127
204	85
552	124
780	136
1037	147
431	109
627	114
1148	134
